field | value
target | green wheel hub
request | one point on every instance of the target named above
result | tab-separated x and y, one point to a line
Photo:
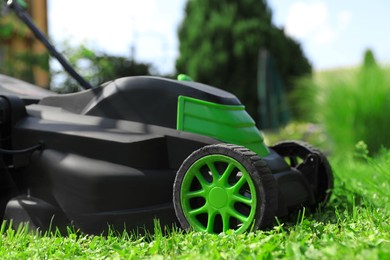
218	194
218	197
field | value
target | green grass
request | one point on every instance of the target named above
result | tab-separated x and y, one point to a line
355	225
352	105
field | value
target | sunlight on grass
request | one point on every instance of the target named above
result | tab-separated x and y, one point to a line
365	175
352	105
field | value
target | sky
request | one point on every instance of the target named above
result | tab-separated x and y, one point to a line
332	33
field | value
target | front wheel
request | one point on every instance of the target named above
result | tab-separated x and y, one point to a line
221	187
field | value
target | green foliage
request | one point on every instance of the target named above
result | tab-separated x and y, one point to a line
220	43
18	63
352	105
5	30
369	59
96	67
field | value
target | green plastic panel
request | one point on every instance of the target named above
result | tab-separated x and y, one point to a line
227	123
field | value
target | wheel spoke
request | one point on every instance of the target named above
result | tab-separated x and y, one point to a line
213	171
239	183
229	169
225	221
202	180
242	199
238	215
194	194
198	211
210	221
293	161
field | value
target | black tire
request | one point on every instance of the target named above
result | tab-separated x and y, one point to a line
258	181
323	184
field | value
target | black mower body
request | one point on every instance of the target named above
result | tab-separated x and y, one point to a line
138	149
108	156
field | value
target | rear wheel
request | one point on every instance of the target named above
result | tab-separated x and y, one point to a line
312	164
222	187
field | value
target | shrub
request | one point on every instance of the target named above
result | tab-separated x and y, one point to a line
352	105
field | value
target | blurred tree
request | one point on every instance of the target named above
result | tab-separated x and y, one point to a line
220	42
369	59
95	67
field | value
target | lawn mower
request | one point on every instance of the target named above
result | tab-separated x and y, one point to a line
136	149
